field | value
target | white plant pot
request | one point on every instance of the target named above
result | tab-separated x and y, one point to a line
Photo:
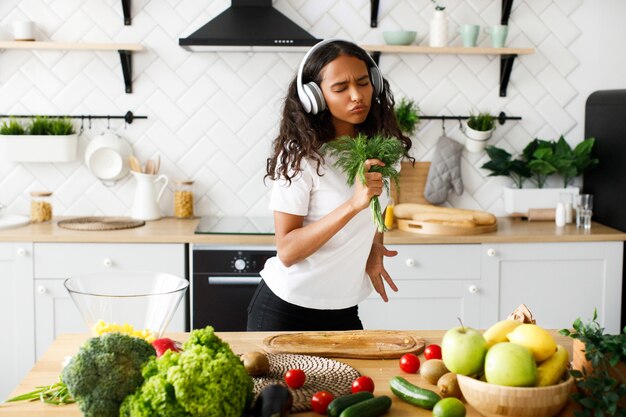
476	139
520	200
39	148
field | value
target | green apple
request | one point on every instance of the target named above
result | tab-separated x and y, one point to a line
510	364
463	350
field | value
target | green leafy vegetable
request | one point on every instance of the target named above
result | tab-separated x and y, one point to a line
205	379
56	394
105	370
351	153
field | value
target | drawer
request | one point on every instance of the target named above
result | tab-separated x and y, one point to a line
434	262
63	260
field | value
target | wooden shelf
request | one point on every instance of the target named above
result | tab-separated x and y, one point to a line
125	51
507	55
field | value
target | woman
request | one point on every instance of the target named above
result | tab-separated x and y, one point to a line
329	254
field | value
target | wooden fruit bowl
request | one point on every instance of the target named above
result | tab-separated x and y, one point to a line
492	400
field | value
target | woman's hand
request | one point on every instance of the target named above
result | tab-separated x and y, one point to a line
373	186
376	270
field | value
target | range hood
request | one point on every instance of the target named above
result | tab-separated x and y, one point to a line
249	25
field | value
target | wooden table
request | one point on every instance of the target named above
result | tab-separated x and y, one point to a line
47	369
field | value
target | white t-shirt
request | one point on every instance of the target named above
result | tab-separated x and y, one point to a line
334	276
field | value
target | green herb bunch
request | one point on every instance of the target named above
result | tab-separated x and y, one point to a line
351	153
600	391
12	127
39	125
56	394
482	122
407	115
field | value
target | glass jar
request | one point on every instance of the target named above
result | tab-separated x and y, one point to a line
183	199
40	206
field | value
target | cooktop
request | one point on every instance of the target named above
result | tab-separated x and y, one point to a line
235	225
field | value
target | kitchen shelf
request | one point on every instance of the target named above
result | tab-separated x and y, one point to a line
125	51
507	55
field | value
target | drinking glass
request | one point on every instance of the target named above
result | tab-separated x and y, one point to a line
584	207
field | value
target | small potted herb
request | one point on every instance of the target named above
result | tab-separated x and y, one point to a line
478	129
599	368
42	139
407	115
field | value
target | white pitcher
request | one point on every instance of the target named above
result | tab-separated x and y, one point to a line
146	205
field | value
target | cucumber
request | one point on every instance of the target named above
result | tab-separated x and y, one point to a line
373	407
339	404
413	394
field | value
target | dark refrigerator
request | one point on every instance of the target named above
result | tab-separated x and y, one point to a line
605	120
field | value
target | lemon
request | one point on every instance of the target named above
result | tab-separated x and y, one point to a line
536	339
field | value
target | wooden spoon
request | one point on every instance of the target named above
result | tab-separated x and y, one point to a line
149	167
134	164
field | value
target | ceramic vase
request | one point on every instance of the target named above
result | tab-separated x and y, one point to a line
439	29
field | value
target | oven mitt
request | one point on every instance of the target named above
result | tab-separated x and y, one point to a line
445	171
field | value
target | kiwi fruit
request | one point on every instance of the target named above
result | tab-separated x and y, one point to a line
448	386
432	370
256	363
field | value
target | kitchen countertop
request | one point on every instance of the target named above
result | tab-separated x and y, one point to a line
172	230
47	369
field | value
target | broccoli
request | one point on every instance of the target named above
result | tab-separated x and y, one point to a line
205	379
105	370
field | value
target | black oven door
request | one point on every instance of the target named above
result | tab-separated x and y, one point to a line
222	302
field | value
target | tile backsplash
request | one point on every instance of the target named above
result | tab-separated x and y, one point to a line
212	116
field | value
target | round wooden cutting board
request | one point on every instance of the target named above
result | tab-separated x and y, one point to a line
358	344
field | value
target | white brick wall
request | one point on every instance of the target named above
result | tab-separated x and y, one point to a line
212	116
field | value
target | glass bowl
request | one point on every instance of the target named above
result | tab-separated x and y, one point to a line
134	302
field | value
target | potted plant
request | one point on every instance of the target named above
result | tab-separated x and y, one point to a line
599	366
43	139
540	160
407	115
478	129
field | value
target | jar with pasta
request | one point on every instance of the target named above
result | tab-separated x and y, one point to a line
183	199
40	206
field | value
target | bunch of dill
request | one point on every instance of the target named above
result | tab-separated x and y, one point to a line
351	153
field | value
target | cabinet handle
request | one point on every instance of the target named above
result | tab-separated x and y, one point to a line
21	252
473	289
41	289
107	262
410	262
491	252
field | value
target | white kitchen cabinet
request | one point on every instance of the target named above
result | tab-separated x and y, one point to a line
17	350
55	312
436	284
558	282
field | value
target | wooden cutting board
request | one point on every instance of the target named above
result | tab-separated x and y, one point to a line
428	228
358	344
412	183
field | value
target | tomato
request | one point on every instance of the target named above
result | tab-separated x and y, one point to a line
320	401
409	363
432	352
363	383
295	378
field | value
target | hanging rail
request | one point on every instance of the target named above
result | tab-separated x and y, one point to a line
128	117
501	118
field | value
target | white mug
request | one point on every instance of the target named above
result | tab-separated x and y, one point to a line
23	31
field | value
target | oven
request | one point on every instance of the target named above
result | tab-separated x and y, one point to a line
224	278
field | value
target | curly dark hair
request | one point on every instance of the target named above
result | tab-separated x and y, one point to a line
302	134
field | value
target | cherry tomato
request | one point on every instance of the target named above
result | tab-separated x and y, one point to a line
363	383
432	352
295	378
409	363
320	401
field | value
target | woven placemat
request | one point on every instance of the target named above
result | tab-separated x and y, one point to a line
321	374
100	223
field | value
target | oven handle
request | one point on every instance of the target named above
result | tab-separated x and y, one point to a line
234	280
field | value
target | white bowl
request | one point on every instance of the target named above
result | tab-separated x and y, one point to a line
107	155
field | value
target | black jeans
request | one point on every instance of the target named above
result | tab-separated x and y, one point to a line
268	312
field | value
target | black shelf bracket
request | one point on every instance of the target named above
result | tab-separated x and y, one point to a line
126	10
374	13
506	65
506	11
127	69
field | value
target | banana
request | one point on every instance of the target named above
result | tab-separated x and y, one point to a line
550	371
497	332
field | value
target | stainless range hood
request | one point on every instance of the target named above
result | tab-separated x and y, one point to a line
249	25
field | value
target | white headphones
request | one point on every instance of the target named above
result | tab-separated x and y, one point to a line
310	94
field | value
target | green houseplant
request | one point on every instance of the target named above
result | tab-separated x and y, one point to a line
41	139
478	128
407	115
599	368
